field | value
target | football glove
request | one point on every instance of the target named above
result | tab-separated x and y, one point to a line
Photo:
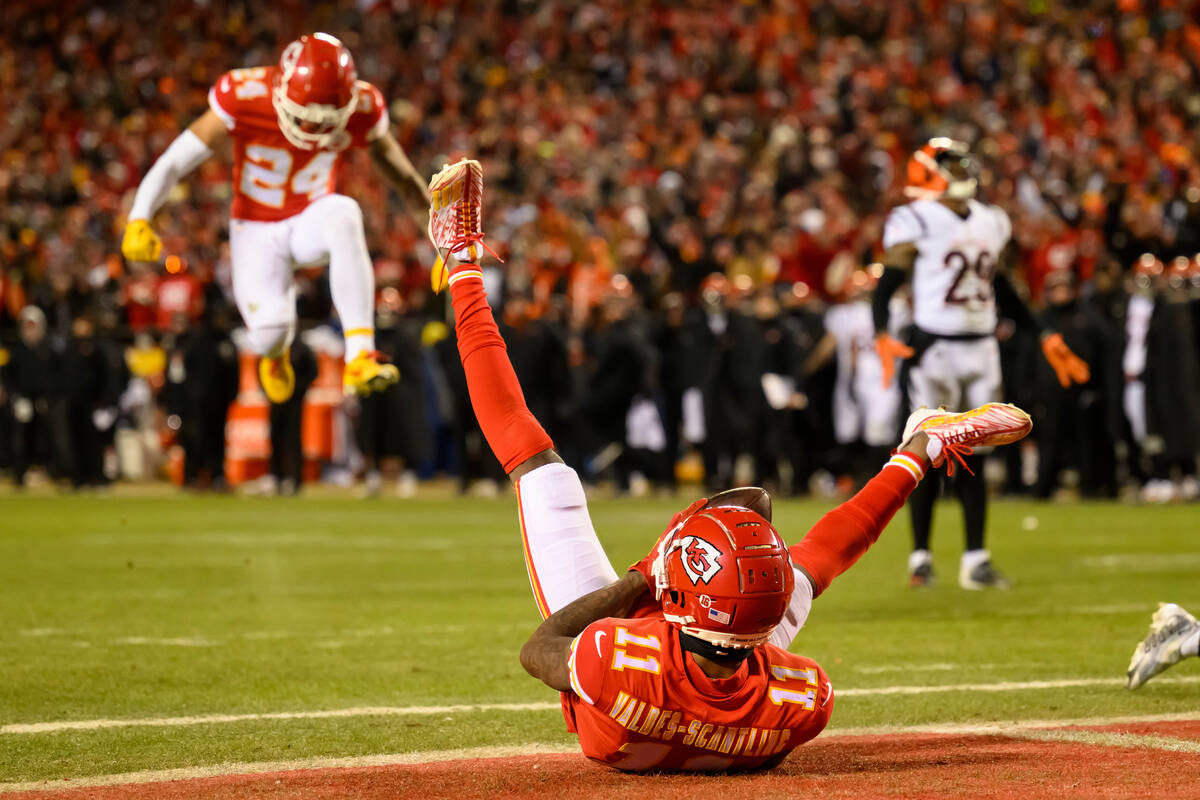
140	243
646	565
1069	367
889	350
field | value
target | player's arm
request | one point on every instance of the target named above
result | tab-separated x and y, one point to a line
547	654
1068	367
189	150
898	260
392	161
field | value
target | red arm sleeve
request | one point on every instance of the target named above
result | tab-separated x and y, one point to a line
840	538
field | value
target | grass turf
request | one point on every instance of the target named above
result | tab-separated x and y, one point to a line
123	607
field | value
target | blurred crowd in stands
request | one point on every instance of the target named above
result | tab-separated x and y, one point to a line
669	184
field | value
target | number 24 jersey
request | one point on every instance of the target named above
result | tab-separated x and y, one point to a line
272	178
956	262
639	702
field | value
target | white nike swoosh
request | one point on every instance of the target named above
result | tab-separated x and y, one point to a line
828	693
599	635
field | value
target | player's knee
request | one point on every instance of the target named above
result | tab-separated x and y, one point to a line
269	340
342	211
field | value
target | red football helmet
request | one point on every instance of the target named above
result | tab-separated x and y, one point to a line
942	168
314	92
723	574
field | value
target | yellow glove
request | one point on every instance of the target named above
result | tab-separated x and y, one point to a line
439	276
141	243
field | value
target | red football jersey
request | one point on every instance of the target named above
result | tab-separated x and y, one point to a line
179	294
639	702
272	178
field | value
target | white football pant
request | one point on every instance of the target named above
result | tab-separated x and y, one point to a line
329	231
957	374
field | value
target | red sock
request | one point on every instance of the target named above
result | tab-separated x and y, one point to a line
841	537
507	423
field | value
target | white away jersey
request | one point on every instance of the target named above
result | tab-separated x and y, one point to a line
956	261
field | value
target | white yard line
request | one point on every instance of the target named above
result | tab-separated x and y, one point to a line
259	767
206	719
1027	729
1099	739
397	711
1000	686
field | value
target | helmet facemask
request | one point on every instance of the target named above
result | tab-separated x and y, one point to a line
314	126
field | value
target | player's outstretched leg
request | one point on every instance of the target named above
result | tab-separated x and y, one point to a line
1174	635
562	554
331	229
266	300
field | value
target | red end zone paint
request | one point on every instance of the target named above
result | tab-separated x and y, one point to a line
854	768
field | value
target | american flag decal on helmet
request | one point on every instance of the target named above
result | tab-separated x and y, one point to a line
719	616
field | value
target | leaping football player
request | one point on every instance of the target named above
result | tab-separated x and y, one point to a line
956	251
680	664
291	125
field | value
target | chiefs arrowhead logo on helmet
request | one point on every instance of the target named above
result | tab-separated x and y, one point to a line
726	574
699	558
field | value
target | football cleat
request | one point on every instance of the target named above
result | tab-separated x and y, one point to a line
921	576
957	435
1161	648
364	374
455	225
277	377
982	576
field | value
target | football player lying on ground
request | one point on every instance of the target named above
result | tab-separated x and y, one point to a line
682	662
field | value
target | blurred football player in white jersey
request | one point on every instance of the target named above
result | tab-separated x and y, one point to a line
956	252
290	126
865	411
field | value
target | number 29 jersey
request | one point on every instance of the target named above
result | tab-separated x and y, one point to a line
955	265
272	178
639	702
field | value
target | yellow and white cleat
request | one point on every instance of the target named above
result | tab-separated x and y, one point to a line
277	377
956	435
455	219
364	375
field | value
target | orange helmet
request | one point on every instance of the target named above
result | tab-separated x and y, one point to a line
942	168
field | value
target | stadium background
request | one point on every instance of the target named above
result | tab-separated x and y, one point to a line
632	151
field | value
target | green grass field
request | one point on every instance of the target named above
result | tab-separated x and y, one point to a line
120	608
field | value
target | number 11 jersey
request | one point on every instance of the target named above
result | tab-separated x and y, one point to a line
639	702
272	178
956	262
